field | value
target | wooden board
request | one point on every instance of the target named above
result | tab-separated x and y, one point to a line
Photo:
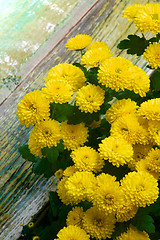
22	194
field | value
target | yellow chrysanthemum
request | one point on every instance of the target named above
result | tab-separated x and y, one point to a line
59	173
98	44
75	217
87	159
72	232
58	91
74	136
69	73
89	98
116	150
62	192
69	171
143	165
78	42
154	129
132	10
141	188
150	109
129	128
97	224
77	185
47	133
120	108
153	160
132	234
95	56
33	108
106	196
148	19
140	151
114	73
152	55
34	146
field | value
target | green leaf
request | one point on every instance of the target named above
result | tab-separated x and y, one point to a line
61	112
134	45
155	81
51	153
60	146
54	202
42	166
25	152
120	228
143	221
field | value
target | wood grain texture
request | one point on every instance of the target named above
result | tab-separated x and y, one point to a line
22	193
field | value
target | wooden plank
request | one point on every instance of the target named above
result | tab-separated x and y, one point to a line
23	194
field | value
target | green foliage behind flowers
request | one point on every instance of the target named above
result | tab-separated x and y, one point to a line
99	133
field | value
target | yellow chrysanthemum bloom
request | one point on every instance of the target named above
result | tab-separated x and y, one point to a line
152	55
69	73
98	44
132	10
154	129
150	109
78	42
143	165
74	136
62	192
58	91
34	146
97	224
129	128
120	108
47	133
59	173
87	159
75	217
33	108
77	185
141	188
132	234
116	150
95	56
140	82
69	171
106	196
140	151
148	19
114	73
72	232
89	98
153	160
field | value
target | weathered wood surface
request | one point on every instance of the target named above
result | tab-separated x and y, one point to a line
22	193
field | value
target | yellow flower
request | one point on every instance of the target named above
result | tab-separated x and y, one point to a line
150	109
72	232
143	165
129	128
69	171
132	10
75	217
98	44
89	98
58	91
153	160
58	174
74	136
154	129
46	133
120	108
62	192
33	108
132	234
141	188
77	185
152	55
148	19
116	150
97	224
106	196
78	42
69	73
34	146
114	73
87	159
95	56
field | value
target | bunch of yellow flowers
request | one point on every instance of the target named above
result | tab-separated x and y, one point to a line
96	127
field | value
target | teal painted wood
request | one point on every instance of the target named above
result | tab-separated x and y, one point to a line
22	194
